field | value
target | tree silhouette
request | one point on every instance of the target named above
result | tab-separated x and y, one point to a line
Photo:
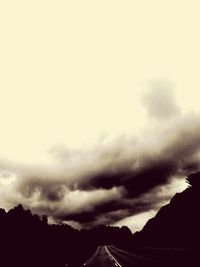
28	240
193	179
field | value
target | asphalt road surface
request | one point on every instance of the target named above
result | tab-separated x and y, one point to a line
110	256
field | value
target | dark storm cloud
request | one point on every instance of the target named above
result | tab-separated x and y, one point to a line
113	211
178	154
45	190
125	183
136	180
123	178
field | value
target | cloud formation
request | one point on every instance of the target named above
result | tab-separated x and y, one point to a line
160	102
116	180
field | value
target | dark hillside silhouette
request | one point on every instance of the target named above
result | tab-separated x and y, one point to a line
173	235
178	223
27	240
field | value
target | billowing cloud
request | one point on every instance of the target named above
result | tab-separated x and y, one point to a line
76	143
160	102
114	180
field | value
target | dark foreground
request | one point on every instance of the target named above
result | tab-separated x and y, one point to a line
110	256
171	238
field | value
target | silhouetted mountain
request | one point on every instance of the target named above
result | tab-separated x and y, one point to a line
176	225
27	240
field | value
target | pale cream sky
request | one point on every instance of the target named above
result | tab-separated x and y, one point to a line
74	72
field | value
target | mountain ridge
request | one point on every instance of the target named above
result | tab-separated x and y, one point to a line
176	224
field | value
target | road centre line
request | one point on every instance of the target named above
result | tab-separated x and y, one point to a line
112	257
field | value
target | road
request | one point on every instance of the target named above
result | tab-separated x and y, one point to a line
110	256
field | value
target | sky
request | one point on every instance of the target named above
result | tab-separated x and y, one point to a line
99	107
